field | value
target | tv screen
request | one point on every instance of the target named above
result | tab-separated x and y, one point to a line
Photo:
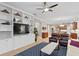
21	28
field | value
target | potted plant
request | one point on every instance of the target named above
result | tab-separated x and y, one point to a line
36	33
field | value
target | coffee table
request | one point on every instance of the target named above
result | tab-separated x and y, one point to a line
48	49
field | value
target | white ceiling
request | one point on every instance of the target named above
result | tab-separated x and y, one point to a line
61	13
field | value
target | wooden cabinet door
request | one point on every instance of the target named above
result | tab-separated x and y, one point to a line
73	35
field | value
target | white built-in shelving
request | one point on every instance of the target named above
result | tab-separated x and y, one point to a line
9	41
5	18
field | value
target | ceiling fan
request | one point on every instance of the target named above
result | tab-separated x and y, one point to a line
46	8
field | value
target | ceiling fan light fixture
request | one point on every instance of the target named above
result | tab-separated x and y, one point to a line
46	9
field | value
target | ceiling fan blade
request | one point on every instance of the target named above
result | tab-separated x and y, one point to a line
53	6
39	8
50	10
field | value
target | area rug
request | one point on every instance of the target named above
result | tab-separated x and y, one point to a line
35	51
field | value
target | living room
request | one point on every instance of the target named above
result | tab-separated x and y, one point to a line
39	29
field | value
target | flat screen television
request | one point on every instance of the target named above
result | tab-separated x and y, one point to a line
21	28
